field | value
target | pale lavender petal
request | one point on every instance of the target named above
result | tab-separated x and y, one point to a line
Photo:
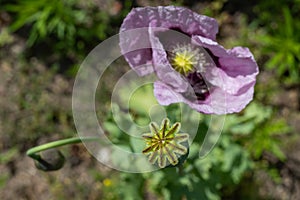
235	67
170	17
162	66
219	102
165	95
136	49
232	103
225	83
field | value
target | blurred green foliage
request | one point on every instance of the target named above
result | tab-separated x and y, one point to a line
244	140
282	45
69	28
274	39
255	125
48	17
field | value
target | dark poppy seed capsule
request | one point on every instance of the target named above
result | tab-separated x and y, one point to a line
165	145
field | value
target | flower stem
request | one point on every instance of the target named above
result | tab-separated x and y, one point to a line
33	151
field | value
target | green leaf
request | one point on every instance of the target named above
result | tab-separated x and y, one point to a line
230	156
288	23
203	166
244	124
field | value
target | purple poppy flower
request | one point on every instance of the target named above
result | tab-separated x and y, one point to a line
190	65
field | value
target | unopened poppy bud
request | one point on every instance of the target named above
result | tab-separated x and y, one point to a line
50	160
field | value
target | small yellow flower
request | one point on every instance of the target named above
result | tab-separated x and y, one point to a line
163	144
107	182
